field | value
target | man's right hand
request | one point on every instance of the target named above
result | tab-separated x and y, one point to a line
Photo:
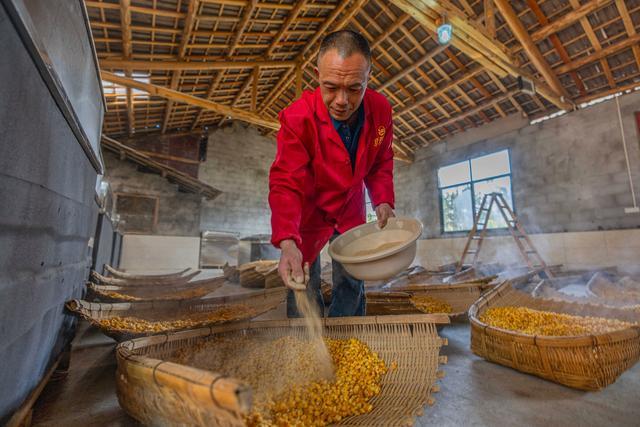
290	262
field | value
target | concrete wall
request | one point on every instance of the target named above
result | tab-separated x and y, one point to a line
178	213
569	173
145	254
238	162
47	216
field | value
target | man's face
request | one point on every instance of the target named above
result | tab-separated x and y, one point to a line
342	82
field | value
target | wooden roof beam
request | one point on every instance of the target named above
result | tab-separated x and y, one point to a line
568	19
557	44
125	29
174	95
596	56
178	177
522	35
302	57
488	53
242	25
121	63
192	9
629	28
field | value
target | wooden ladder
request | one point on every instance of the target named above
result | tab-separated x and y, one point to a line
523	242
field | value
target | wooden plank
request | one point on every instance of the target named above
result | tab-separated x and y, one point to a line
596	56
181	178
521	34
121	63
192	9
568	19
174	95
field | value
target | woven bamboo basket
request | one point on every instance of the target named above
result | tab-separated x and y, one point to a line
398	299
588	362
120	274
156	391
189	290
112	281
257	303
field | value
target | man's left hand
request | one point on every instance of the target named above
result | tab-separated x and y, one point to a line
384	212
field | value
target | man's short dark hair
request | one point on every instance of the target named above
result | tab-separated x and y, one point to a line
347	43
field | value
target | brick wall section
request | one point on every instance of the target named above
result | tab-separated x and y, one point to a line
569	173
238	162
178	213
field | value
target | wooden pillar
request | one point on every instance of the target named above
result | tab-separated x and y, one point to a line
254	89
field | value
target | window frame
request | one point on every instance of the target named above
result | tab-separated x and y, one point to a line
156	209
472	183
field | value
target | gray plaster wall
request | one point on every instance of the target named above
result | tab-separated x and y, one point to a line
178	212
238	162
568	173
47	215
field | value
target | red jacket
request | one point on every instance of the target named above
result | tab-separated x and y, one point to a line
312	189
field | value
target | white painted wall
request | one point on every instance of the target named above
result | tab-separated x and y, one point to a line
147	253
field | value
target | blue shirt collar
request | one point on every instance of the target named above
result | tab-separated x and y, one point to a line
358	124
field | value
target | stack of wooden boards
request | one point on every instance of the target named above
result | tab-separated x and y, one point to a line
255	275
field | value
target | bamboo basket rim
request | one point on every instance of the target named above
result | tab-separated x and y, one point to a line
209	285
142	282
92	311
121	274
179	376
545	340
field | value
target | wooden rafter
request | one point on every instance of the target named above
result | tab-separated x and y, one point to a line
192	9
569	19
125	27
197	48
536	57
174	95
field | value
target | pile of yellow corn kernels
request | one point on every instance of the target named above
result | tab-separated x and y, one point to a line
428	304
288	389
536	322
192	320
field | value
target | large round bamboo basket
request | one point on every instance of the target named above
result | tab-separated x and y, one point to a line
120	274
588	362
189	290
257	303
144	281
156	391
397	300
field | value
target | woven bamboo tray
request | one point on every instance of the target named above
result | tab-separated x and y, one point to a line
112	281
589	362
120	274
259	302
189	290
398	299
156	391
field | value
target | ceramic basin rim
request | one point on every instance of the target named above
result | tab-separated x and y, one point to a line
345	259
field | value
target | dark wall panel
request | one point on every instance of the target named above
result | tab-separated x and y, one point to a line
47	215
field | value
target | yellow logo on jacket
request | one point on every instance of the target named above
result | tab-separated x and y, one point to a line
378	140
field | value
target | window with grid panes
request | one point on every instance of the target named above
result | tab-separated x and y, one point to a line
463	185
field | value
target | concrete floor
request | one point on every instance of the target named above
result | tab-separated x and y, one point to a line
473	393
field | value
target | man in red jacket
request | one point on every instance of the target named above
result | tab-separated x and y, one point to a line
332	142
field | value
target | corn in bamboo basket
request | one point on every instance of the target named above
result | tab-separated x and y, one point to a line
141	280
255	302
189	290
588	362
121	274
156	391
398	300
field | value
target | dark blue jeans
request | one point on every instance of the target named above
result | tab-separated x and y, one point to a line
347	293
